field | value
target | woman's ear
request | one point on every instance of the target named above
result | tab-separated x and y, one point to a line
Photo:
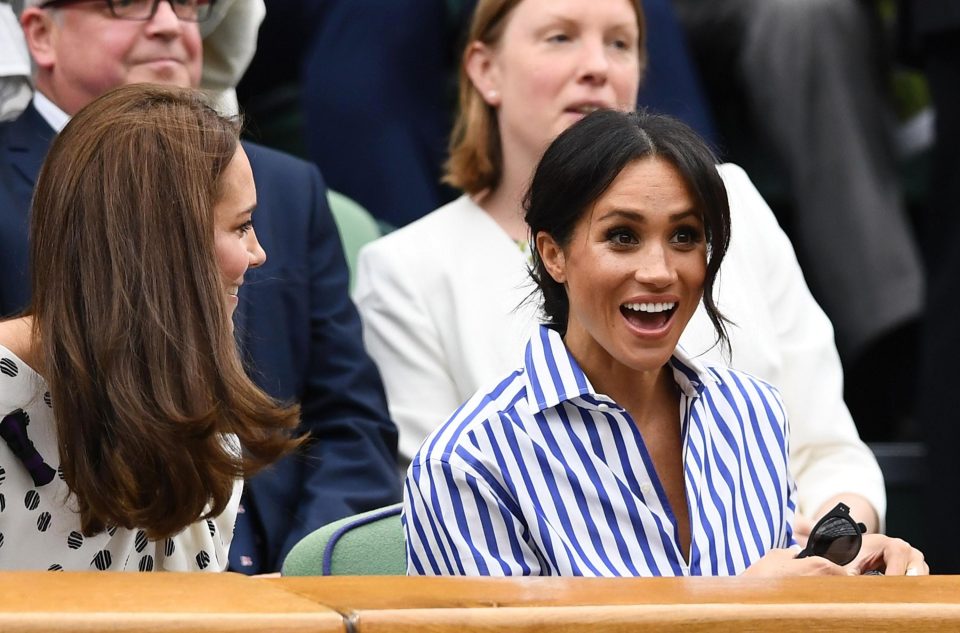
552	257
480	66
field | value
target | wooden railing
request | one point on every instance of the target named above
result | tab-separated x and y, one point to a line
229	602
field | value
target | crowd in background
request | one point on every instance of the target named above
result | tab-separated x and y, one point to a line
799	93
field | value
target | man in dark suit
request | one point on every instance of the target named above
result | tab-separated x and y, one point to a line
295	321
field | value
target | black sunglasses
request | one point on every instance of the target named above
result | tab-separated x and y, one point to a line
836	537
143	10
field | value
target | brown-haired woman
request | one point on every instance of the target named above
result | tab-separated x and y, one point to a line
439	298
128	421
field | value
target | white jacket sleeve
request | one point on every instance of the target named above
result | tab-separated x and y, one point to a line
827	455
402	339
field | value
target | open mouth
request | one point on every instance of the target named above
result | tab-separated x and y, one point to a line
648	316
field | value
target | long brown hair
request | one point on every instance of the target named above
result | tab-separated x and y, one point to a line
130	329
476	159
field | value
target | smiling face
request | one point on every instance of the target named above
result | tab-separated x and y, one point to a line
235	241
556	60
82	51
633	270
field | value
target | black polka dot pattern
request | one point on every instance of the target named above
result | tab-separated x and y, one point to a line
169	547
55	567
60	473
31	500
203	559
3	475
8	367
102	560
43	521
112	530
46	399
141	540
3	503
1	540
212	527
146	563
75	540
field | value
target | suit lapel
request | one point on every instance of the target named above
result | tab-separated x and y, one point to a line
28	140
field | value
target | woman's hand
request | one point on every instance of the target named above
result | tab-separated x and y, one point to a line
801	528
784	562
892	556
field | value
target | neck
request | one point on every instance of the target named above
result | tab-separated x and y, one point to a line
504	203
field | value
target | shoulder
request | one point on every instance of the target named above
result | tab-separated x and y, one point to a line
16	337
744	391
425	243
267	162
461	439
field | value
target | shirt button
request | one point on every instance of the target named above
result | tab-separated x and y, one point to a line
603	406
646	489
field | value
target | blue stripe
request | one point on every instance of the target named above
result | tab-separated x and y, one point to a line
487	485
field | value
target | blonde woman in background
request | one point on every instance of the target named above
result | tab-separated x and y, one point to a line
444	300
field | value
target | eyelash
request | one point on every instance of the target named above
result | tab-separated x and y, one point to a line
693	234
245	228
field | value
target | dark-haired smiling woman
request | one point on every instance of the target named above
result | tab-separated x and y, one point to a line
610	452
128	422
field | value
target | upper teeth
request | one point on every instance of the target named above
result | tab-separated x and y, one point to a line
649	307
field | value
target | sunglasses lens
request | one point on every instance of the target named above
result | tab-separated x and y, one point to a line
837	540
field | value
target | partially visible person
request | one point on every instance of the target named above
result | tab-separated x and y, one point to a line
299	332
443	300
611	452
802	84
15	88
128	420
936	27
229	44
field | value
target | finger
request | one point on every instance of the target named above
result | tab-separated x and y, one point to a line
897	556
917	566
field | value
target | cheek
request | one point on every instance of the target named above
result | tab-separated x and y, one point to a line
626	83
232	259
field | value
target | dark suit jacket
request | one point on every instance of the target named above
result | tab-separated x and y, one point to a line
299	330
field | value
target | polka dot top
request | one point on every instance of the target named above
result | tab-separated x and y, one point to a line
38	527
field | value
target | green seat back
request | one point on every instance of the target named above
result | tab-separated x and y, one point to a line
367	544
355	225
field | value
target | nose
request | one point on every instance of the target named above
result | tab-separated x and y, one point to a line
654	267
594	63
164	20
256	253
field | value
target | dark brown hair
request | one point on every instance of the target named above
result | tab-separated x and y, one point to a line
476	162
130	328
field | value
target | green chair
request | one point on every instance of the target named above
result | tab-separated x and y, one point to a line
367	544
355	225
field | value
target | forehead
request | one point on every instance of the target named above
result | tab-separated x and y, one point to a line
609	13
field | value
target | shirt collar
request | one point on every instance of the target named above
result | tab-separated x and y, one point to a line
554	376
51	113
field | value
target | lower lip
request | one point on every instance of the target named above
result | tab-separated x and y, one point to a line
648	333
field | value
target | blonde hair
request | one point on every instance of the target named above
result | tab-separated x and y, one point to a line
476	160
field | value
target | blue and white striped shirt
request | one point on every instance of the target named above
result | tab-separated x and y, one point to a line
543	476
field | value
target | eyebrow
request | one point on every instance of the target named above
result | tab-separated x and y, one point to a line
639	217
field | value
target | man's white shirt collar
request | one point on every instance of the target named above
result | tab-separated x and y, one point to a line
51	113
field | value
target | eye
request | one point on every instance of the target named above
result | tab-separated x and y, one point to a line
245	228
558	38
621	237
622	44
687	236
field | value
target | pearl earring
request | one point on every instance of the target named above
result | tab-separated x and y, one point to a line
492	95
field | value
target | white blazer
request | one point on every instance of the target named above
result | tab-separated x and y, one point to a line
446	307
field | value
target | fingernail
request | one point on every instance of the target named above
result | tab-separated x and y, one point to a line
911	571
